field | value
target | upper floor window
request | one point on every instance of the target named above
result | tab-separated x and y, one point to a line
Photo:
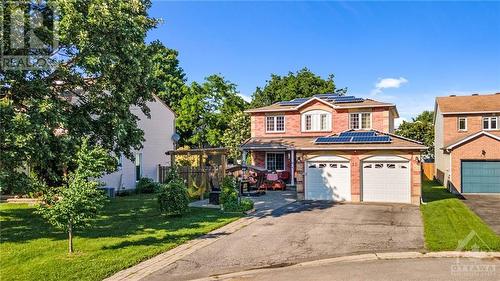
361	120
462	123
490	123
316	120
275	123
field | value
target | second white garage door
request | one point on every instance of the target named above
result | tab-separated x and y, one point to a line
328	180
386	181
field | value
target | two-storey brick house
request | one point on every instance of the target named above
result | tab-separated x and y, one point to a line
338	148
467	143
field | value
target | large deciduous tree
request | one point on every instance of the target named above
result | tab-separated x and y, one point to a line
300	84
101	67
169	79
421	128
237	132
205	113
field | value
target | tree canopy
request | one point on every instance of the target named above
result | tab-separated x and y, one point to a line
300	84
101	67
169	79
205	113
421	128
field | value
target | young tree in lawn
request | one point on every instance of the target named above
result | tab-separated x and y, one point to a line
74	205
300	84
421	129
101	67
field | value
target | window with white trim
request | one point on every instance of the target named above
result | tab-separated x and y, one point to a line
275	123
275	161
138	166
360	120
316	121
462	123
490	123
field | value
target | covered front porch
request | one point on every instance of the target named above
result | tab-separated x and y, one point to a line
273	158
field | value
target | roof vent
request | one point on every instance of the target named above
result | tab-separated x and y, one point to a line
475	94
453	95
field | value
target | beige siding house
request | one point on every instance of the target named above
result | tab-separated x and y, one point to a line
158	132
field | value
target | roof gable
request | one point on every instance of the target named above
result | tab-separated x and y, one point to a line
469	104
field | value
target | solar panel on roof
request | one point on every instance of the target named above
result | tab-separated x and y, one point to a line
353	139
333	139
349	100
296	101
371	139
357	134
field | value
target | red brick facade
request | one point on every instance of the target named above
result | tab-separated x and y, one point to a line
481	148
340	120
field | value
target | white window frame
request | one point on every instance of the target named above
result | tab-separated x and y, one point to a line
360	120
315	116
138	161
458	123
284	160
489	118
275	123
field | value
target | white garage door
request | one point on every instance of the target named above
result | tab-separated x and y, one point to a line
386	182
328	180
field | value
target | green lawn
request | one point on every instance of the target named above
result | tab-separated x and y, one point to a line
129	231
447	221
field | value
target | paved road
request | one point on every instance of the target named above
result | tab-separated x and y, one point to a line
487	207
384	270
304	231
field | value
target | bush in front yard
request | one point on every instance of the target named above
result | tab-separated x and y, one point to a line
146	185
173	197
229	195
246	204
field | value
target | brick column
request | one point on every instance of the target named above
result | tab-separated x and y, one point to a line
355	179
416	180
300	176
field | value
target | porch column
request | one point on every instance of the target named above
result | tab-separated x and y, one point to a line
292	172
244	157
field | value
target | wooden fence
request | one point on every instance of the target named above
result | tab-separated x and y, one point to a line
428	171
193	176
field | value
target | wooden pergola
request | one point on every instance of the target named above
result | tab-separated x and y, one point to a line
201	152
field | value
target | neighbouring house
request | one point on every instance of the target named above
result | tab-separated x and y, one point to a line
158	133
338	148
467	143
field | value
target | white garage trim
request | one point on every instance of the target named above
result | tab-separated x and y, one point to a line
327	178
385	158
386	180
331	158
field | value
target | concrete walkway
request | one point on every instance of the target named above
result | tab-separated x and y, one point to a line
264	205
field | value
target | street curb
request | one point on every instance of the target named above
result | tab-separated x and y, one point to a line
362	258
158	262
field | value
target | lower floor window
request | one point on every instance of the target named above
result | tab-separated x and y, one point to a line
275	161
138	166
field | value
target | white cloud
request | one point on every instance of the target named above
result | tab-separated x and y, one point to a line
386	83
390	82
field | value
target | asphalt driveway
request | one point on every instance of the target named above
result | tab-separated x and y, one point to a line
487	207
304	231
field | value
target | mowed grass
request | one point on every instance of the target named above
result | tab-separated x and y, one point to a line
129	231
450	225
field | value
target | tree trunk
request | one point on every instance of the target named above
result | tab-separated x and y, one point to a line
70	238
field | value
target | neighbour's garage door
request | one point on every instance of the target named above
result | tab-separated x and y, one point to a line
386	182
481	176
328	180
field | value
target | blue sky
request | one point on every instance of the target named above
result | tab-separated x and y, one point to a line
428	49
